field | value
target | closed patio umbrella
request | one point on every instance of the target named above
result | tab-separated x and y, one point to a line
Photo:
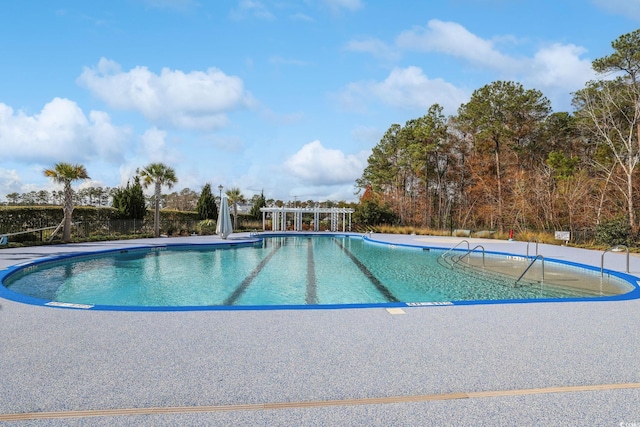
224	226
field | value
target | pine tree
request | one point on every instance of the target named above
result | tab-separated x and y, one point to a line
130	201
206	205
260	202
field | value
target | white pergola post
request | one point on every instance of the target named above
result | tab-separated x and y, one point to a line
279	217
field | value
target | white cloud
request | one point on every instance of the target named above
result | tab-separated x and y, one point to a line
560	66
87	183
60	132
9	181
374	46
232	144
321	193
301	17
556	69
278	60
370	136
252	8
455	40
154	146
626	8
195	100
171	4
281	118
316	165
553	65
126	172
404	88
344	4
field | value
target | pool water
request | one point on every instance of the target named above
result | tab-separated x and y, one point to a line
292	270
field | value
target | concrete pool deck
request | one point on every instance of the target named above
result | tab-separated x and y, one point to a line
559	363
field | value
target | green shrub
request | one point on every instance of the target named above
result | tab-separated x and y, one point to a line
372	213
207	227
613	233
90	222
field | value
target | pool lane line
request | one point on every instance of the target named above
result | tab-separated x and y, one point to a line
313	403
312	285
386	293
242	287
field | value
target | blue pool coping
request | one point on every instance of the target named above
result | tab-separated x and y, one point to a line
253	239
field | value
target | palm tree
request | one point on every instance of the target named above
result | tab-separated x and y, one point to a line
65	173
235	196
159	174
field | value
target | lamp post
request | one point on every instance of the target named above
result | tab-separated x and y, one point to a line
220	187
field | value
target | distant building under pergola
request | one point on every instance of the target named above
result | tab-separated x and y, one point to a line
339	218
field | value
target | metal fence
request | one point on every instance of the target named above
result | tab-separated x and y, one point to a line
117	228
111	227
97	229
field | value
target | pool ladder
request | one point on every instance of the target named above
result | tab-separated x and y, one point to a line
538	257
616	248
468	253
454	261
613	249
532	241
477	271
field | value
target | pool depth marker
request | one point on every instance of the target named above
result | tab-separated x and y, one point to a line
376	282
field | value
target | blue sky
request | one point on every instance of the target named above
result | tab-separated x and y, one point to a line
281	96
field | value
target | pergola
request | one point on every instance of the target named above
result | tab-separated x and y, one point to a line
338	217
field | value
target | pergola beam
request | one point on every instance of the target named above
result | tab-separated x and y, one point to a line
279	217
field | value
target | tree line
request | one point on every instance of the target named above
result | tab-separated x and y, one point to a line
131	202
183	200
506	161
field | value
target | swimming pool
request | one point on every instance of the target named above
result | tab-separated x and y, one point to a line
296	271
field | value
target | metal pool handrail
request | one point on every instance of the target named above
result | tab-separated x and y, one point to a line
530	241
612	248
461	242
471	250
529	266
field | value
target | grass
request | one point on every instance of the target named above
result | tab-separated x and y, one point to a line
523	236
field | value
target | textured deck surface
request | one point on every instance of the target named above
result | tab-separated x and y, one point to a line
561	363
